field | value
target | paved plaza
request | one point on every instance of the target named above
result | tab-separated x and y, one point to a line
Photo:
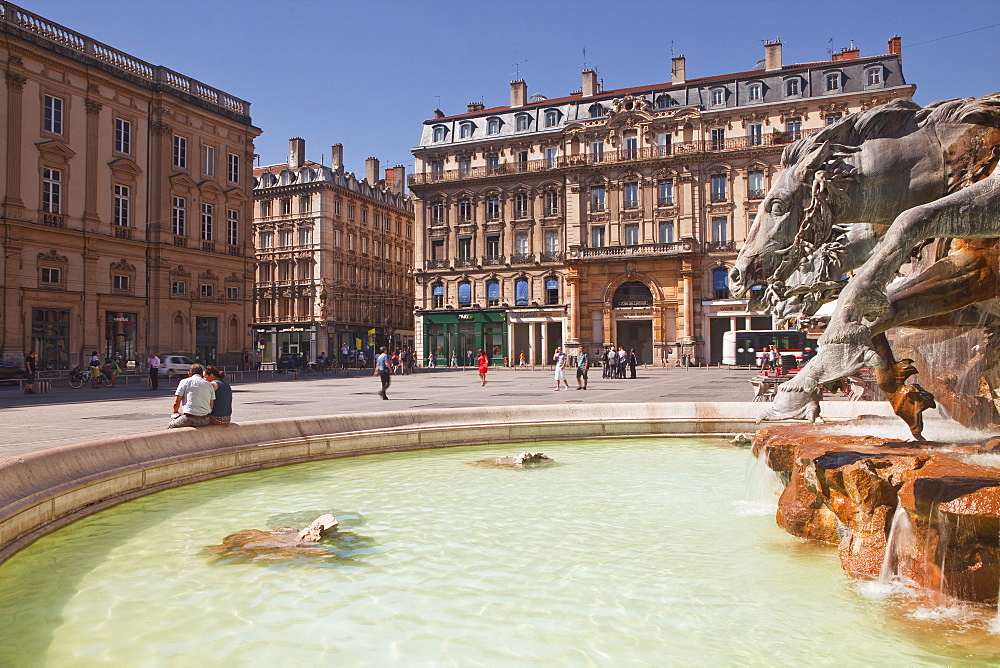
66	415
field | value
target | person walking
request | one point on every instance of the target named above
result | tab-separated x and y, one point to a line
30	370
560	374
582	365
431	360
484	365
222	409
522	360
153	362
113	370
633	361
382	371
454	359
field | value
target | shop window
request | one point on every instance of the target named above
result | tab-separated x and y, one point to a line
551	290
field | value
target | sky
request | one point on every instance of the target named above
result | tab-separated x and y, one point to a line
367	73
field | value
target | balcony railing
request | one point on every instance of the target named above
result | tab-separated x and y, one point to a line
776	138
53	220
665	201
465	262
551	256
720	246
493	261
719	197
756	194
208	246
522	258
180	242
121	232
437	264
235	250
627	251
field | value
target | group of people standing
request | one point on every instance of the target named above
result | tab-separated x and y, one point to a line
618	363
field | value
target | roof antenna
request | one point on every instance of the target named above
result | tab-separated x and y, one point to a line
829	47
517	69
586	62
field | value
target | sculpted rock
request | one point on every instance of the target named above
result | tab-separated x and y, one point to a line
845	489
518	461
282	542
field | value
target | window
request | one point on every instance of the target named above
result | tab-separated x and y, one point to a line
596	111
123	136
597	238
285	238
338	206
492	293
265	208
663	102
632	234
792	87
663	143
832	81
597	151
755	92
520	205
755	134
551	241
465	248
234	168
207	290
551	290
597	198
178	288
207	221
719	225
665	192
521	292
208	160
493	126
551	118
492	164
180	152
465	210
465	131
630	195
286	206
493	246
718	97
492	208
51	190
437	249
121	283
267	239
873	76
718	187
464	167
551	157
179	216
793	126
305	236
521	243
53	120
833	118
439	132
720	283
233	293
521	158
465	294
551	199
305	203
718	139
120	214
351	212
51	276
666	232
755	184
630	148
437	213
437	295
522	122
233	227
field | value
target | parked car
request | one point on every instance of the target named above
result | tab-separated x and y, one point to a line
175	365
288	361
11	372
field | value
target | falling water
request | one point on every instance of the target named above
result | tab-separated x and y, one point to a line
899	545
763	487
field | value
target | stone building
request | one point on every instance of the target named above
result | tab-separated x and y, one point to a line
125	203
612	216
333	257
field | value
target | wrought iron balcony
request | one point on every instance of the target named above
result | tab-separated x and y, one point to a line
465	262
756	194
437	264
719	197
551	256
665	201
493	260
720	246
522	258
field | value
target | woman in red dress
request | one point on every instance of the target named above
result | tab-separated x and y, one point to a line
484	365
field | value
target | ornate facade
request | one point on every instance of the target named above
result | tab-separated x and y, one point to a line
333	257
612	216
125	203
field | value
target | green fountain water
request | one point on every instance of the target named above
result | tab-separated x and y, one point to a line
625	552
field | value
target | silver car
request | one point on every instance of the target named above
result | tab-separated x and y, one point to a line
175	365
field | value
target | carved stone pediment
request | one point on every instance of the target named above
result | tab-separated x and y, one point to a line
181	180
123	265
52	256
233	278
179	270
125	168
55	150
208	187
208	275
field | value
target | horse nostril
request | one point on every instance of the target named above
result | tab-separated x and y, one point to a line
734	275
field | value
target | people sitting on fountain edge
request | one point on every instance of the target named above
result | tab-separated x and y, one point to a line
193	400
222	409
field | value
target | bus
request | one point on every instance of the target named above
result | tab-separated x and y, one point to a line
744	347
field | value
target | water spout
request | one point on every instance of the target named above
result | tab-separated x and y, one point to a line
763	487
900	547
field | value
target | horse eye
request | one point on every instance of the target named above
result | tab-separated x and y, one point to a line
777	207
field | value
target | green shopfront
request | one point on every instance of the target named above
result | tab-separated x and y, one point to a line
459	336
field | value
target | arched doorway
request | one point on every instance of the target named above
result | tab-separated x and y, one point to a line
633	313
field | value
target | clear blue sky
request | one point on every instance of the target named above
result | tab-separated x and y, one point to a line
367	73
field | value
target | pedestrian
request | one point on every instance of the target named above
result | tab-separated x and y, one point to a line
633	361
522	360
246	360
95	370
113	370
622	362
484	365
612	362
604	362
560	374
431	360
582	364
382	371
468	357
193	400
153	362
30	370
454	359
222	409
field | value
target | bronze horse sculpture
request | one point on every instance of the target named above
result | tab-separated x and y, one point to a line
895	185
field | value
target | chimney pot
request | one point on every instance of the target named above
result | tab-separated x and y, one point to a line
895	45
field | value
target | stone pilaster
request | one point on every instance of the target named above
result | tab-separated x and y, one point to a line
15	88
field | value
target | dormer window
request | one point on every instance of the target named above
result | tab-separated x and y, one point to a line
718	97
755	91
793	87
551	118
440	132
466	130
596	111
663	101
873	76
834	82
522	122
493	126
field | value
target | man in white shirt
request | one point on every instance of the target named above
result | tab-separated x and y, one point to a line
153	362
193	400
382	371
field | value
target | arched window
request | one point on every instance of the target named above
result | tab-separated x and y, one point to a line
466	130
632	294
493	126
596	110
439	132
720	283
521	293
465	293
793	87
522	122
873	76
493	293
551	290
551	118
437	296
663	101
718	97
755	91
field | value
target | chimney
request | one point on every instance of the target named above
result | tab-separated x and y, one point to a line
847	54
395	179
296	152
371	171
895	45
518	93
589	83
438	113
337	157
772	55
677	66
476	106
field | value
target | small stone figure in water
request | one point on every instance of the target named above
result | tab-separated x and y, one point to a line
282	542
519	461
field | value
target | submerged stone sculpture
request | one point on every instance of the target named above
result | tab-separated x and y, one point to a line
897	184
518	461
847	490
282	542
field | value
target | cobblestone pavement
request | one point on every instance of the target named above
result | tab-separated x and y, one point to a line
66	415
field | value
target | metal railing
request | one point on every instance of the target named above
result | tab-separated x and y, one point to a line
522	258
637	249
